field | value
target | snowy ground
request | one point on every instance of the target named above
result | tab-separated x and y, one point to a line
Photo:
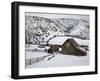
59	60
56	59
30	55
33	47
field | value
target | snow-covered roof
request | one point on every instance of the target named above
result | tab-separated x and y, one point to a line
58	40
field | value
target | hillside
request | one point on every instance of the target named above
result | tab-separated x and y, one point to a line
40	29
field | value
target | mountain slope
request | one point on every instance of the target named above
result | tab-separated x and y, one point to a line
41	29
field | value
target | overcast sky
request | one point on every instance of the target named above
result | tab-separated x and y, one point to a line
52	15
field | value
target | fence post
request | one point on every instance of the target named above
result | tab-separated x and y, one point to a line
37	59
30	61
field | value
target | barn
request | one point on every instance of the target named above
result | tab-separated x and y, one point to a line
68	46
53	48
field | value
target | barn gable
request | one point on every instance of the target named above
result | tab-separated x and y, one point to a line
72	48
72	42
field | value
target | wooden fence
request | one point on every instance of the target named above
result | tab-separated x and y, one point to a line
34	60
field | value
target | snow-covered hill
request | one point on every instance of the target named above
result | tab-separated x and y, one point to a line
81	29
41	29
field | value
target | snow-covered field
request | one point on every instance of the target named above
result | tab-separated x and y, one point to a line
30	54
60	60
55	59
33	48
